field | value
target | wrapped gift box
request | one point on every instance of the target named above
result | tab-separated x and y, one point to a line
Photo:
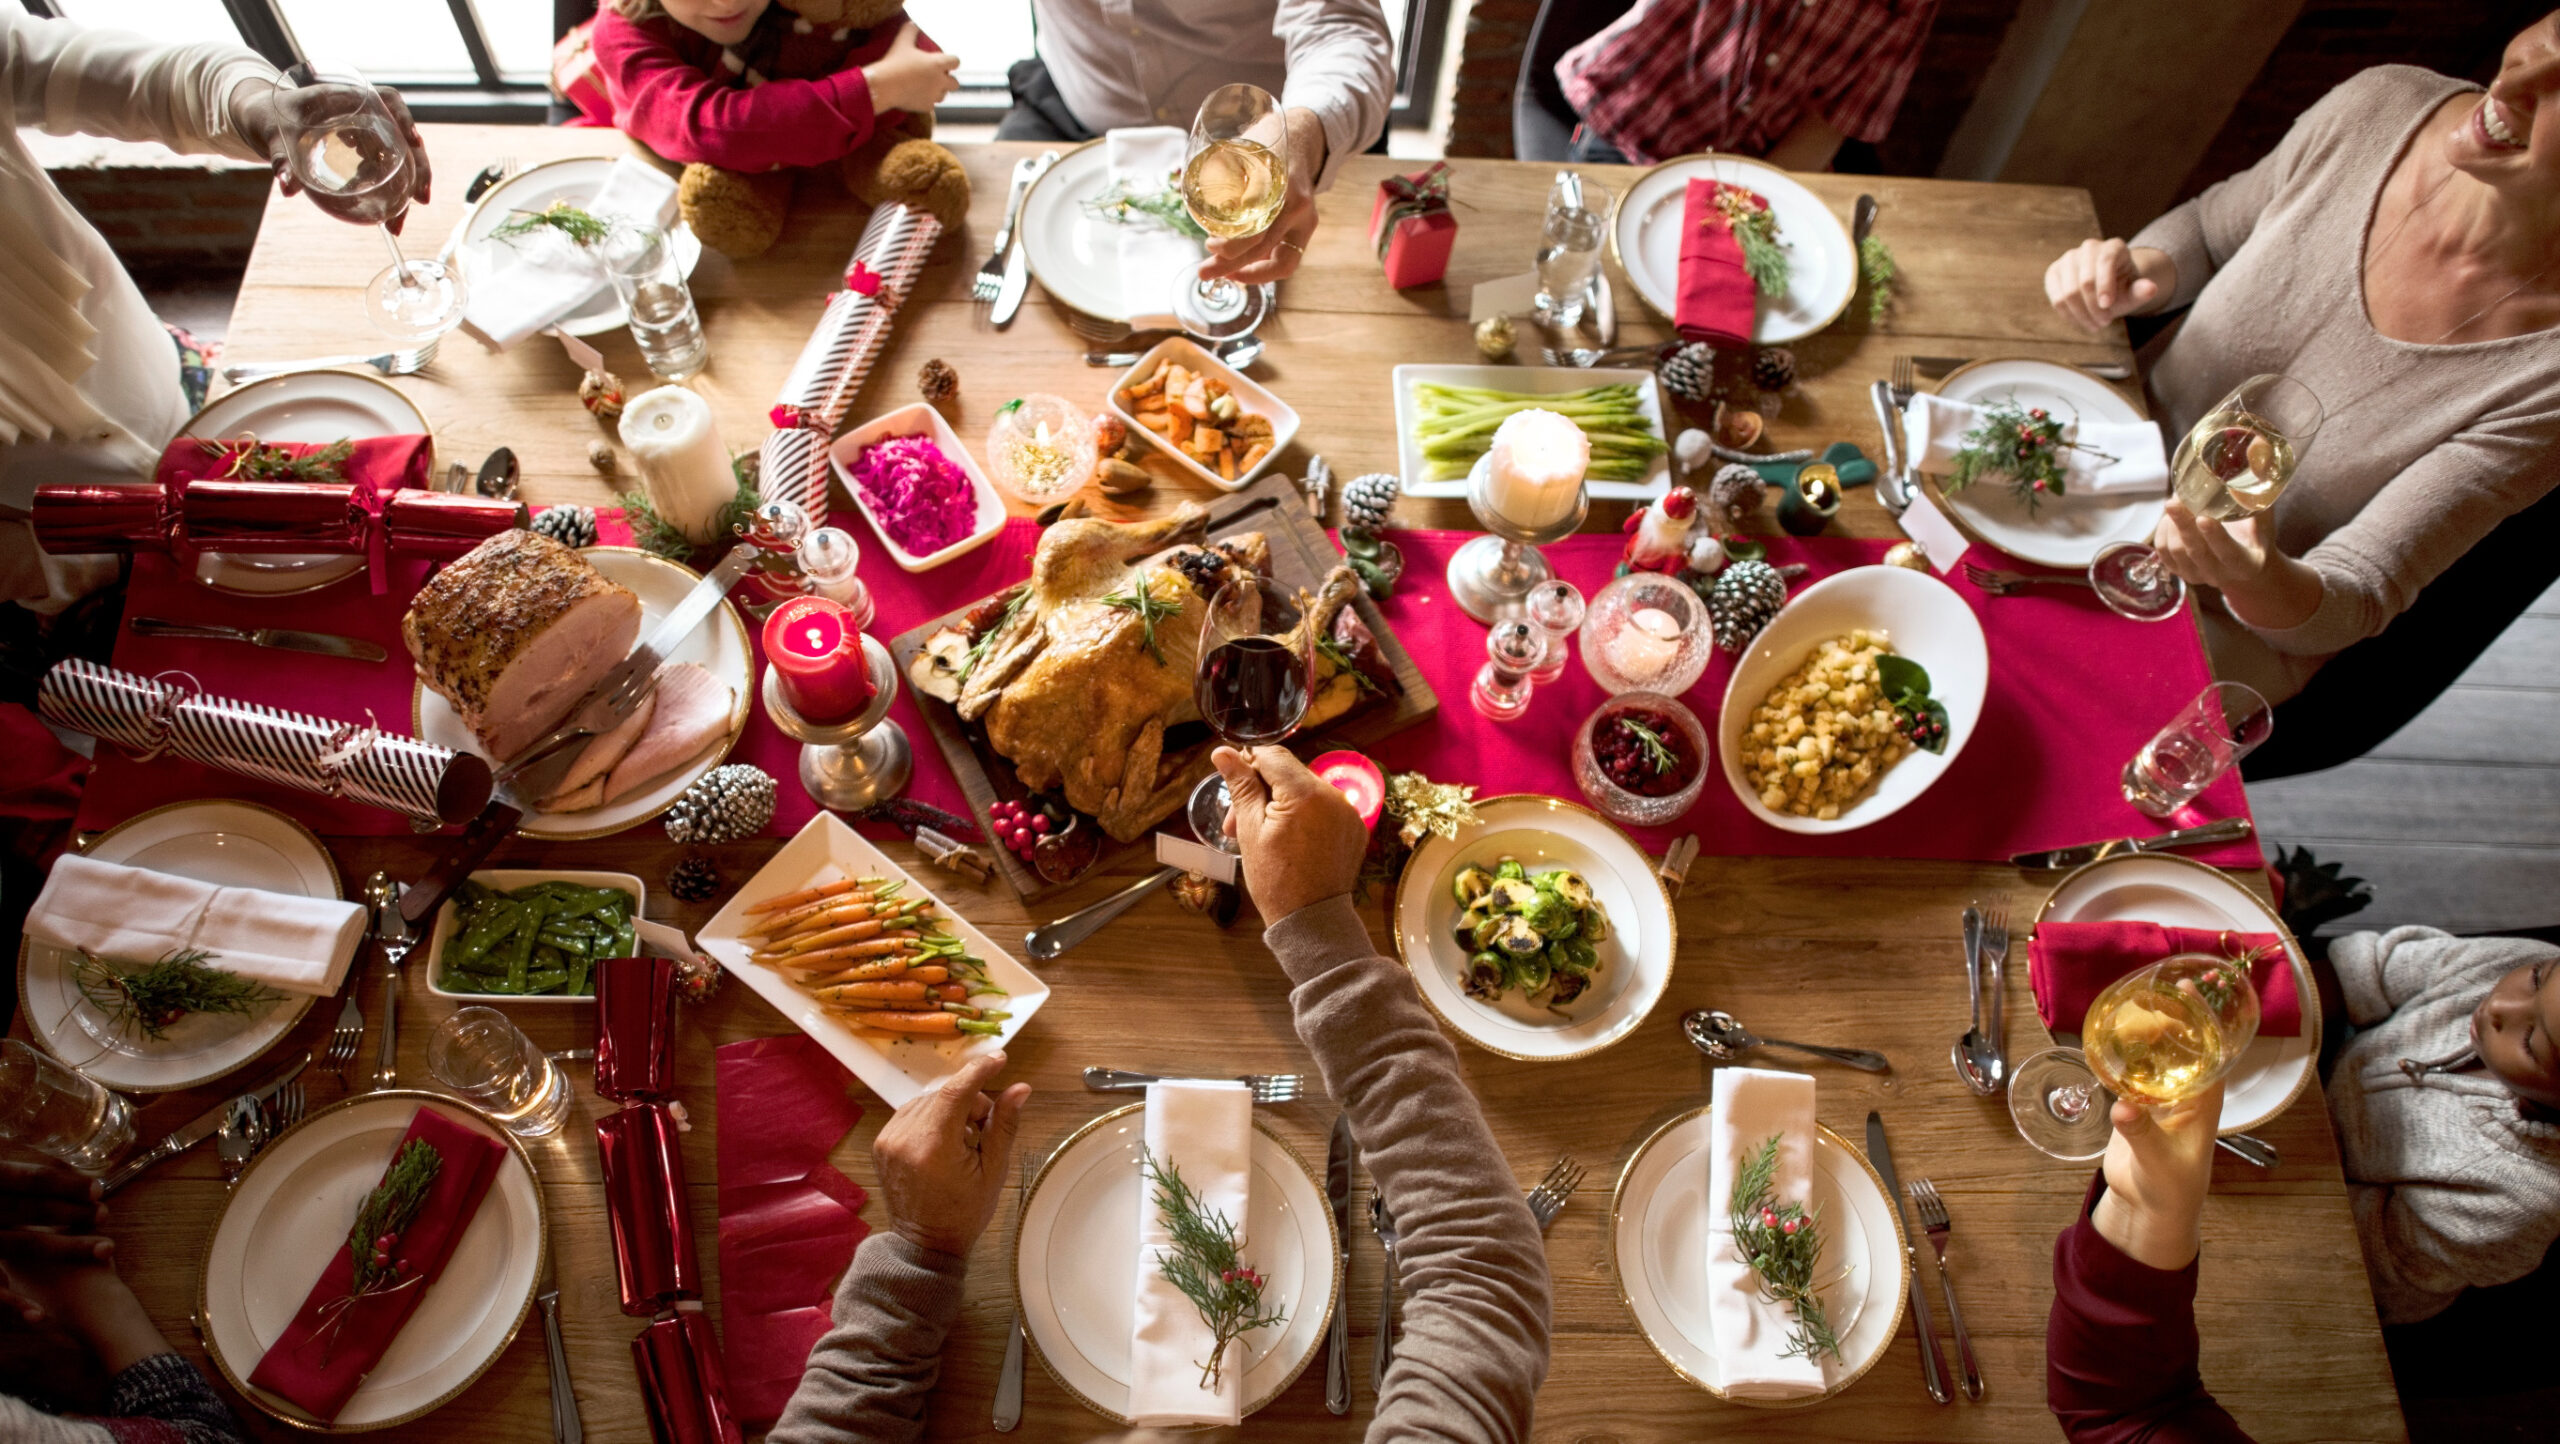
1412	229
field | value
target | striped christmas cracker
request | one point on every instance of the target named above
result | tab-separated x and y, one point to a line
792	466
127	709
887	259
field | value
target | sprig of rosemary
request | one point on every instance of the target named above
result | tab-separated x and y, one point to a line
1780	1242
152	998
2021	443
1654	751
1339	655
1875	267
387	1213
1755	229
1150	609
582	227
986	639
250	460
1125	203
1202	1261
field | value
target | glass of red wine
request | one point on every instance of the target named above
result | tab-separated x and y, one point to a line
353	158
1257	672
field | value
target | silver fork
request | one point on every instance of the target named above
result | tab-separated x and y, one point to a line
1384	1226
286	1108
1583	356
1266	1087
344	1036
1995	976
389	363
2001	584
991	275
1554	1191
243	1130
1906	381
1933	1221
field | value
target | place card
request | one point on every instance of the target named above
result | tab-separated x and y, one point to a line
1510	296
1213	863
1931	528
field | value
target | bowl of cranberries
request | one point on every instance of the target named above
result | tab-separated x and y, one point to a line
1051	838
1641	758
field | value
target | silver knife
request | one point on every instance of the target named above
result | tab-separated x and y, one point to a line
320	643
2103	370
2228	829
566	1426
205	1126
1017	261
1893	483
1933	1365
1604	308
1339	1159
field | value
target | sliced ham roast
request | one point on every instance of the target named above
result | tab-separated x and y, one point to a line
514	632
692	714
582	786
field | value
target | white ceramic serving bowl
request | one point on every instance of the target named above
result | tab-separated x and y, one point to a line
508	879
1252	395
919	419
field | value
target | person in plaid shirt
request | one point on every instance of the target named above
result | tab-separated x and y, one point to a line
1787	80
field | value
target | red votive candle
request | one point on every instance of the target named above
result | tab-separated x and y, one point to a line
1356	778
813	646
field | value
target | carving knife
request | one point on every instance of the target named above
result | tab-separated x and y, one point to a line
1933	1365
205	1126
1339	1160
2228	829
281	639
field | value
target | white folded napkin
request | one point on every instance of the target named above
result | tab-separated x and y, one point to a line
521	285
134	915
1204	1130
1154	259
1933	432
1751	1330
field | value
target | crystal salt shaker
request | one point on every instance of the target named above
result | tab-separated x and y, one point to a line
1512	650
1555	608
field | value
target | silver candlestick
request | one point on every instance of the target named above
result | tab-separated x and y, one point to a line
848	766
1490	577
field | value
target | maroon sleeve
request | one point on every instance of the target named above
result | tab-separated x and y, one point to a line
2120	1350
685	113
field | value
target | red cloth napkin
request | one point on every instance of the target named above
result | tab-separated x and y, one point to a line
2069	964
789	1222
319	1375
381	463
1716	300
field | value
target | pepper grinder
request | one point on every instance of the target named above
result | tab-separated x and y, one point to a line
828	557
852	765
1512	651
1554	607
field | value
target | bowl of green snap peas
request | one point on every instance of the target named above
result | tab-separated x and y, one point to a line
529	936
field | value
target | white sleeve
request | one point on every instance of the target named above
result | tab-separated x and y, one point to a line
70	79
1342	66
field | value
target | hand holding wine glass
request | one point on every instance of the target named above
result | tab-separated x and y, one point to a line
1276	253
1234	185
362	161
2159	1167
261	117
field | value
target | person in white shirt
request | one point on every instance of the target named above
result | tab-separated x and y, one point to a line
1109	63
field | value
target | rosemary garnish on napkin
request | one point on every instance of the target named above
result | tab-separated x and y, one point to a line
2021	443
1755	229
1202	1262
251	460
583	227
1780	1241
1126	203
151	999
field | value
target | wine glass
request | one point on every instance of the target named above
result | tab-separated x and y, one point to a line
348	151
2134	582
1257	665
2236	460
1233	184
2158	1035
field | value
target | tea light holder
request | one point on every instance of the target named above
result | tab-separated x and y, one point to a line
850	765
1490	577
1359	781
1811	500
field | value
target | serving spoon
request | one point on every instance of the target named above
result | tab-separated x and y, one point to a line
1723	1038
1977	1054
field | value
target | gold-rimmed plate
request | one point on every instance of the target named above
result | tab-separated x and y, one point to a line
312	408
231	844
1545	833
576	180
1072	253
288	1216
1822	267
2067	533
1075	1262
1658	1248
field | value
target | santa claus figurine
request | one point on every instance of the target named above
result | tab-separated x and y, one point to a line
1658	534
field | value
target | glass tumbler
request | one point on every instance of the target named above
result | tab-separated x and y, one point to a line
1569	242
479	1054
2226	722
645	274
58	1110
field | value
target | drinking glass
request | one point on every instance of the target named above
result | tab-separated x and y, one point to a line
2226	722
1233	184
58	1110
488	1060
2158	1035
342	143
2236	460
1568	251
1257	665
663	320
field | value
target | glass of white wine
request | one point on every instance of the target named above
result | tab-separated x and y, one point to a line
353	158
1233	184
2236	461
2158	1035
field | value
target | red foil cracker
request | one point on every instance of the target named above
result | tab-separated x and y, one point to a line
644	1205
681	1386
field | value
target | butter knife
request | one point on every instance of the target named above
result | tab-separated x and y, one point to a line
1893	484
2228	829
1017	261
318	643
1340	1157
1933	1365
566	1426
206	1124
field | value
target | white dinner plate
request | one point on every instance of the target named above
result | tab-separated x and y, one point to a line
2068	533
231	844
719	644
1075	1262
1925	620
1658	1254
1822	267
311	408
1526	381
575	180
897	1070
1545	833
288	1216
1074	255
2180	892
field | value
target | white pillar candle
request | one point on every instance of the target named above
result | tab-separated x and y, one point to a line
1533	471
683	467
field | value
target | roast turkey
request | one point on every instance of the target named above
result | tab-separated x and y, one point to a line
514	632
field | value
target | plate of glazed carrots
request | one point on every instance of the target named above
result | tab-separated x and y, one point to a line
849	947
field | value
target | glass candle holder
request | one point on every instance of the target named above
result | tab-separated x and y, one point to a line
1641	759
1512	650
1041	448
1358	779
1555	608
1647	633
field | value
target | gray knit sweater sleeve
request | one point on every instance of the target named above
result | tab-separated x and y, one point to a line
870	1375
1472	1349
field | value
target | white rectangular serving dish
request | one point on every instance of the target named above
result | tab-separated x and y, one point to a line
508	879
900	1069
919	419
1528	381
1250	394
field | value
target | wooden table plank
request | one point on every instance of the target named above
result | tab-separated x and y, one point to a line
1862	952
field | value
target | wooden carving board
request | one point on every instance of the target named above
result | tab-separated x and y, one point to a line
1301	555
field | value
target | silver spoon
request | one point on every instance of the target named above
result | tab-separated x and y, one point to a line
1722	1038
1208	813
1977	1058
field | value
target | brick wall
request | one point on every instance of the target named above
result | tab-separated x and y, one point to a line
1497	36
164	213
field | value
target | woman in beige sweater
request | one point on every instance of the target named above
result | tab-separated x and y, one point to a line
2398	253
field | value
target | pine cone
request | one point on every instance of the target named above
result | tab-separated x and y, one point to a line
1368	500
1735	496
1773	368
728	803
938	381
1747	594
694	879
1689	372
571	526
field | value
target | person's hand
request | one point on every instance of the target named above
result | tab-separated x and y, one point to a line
1276	252
2159	1164
258	114
2095	282
910	77
1301	838
944	1157
2264	587
49	1218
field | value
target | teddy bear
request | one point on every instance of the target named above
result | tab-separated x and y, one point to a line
741	215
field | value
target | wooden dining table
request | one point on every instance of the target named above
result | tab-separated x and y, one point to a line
1857	951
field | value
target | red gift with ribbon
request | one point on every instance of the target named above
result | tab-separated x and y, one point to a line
1411	228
